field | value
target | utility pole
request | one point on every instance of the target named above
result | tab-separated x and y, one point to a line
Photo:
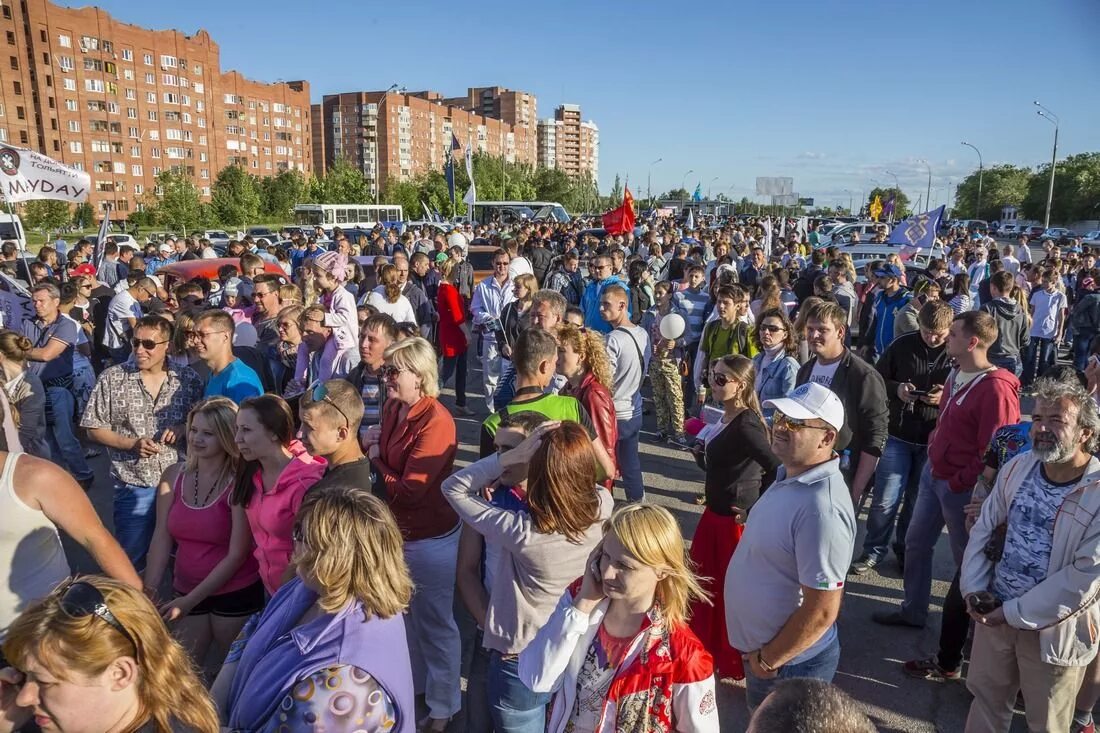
928	191
683	191
981	166
1052	118
649	181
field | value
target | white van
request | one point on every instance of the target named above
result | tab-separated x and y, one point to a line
11	230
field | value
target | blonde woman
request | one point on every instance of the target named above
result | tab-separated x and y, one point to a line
619	638
336	630
512	321
215	581
25	393
582	360
387	297
94	655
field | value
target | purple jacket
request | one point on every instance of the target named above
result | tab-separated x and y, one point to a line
279	654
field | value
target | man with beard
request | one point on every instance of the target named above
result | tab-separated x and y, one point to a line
1031	570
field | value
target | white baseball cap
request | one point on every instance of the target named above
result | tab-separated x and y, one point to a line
811	400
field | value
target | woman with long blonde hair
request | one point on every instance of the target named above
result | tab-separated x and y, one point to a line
619	638
94	655
512	316
736	454
330	651
387	297
215	579
582	360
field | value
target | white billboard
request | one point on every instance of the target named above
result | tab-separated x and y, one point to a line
774	186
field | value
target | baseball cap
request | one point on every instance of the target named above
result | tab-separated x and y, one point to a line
165	247
441	257
84	269
232	286
809	401
886	270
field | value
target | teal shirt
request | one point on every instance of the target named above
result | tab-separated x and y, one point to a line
238	382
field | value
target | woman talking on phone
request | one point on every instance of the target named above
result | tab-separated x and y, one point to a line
617	651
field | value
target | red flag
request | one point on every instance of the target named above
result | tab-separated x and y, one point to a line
621	220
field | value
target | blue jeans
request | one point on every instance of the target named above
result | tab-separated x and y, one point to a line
1081	343
64	446
821	667
1038	357
936	505
514	708
628	458
1009	363
896	480
135	519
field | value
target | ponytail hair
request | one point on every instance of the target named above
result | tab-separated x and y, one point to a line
744	372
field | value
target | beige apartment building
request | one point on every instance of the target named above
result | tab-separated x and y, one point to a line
126	103
402	134
568	143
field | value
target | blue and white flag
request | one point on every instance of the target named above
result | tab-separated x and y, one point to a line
916	233
698	195
101	240
471	193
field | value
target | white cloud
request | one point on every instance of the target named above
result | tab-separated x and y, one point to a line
809	155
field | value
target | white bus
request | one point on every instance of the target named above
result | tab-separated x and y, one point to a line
348	216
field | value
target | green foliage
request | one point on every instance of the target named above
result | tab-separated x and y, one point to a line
234	198
1076	190
1002	185
902	206
178	207
280	193
344	184
83	215
615	198
45	214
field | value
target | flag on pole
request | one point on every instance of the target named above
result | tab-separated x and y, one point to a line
888	207
621	220
101	240
689	223
471	193
26	175
449	174
455	144
698	195
768	237
916	233
782	228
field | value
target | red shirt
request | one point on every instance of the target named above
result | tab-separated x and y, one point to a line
452	314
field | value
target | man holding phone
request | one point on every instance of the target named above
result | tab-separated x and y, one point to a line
914	368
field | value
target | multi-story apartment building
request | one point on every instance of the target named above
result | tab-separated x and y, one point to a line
568	143
398	135
126	103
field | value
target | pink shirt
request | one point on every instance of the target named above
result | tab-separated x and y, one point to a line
271	513
202	541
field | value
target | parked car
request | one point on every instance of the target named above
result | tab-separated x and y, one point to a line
1092	238
1033	231
1057	233
1008	230
843	234
267	232
187	270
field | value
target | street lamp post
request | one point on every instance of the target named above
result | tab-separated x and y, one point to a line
649	180
683	182
897	195
849	201
928	191
981	166
377	157
1052	118
709	185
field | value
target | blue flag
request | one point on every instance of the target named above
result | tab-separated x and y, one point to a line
918	232
698	195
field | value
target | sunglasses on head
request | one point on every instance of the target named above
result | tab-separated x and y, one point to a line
794	425
81	599
147	344
319	393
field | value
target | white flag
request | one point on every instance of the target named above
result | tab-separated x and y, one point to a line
690	223
768	236
101	240
26	175
471	194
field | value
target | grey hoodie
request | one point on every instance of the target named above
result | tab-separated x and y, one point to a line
1012	329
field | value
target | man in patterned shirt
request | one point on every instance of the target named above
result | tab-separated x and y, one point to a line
138	409
1034	600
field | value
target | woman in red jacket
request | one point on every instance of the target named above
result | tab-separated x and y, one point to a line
453	337
582	359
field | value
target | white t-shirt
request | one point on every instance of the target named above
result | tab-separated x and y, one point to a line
1048	309
823	373
519	266
121	308
401	311
1011	263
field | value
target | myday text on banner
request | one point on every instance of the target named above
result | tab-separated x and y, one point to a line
26	175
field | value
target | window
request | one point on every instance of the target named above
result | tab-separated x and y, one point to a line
15	62
1	110
185	100
172	134
156	170
174	153
199	106
150	78
154	152
101	146
151	115
139	189
112	107
3	135
70	85
198	87
20	113
45	58
66	63
135	151
127	54
88	43
74	125
187	118
154	134
64	42
7	12
95	85
170	98
169	80
128	74
135	170
75	146
70	105
131	113
120	168
201	122
147	59
108	47
168	62
202	157
11	38
151	97
23	137
17	88
131	94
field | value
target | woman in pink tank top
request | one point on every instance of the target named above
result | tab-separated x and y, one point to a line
215	581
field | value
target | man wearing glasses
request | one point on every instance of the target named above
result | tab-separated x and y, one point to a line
785	582
230	377
490	297
138	409
590	302
123	312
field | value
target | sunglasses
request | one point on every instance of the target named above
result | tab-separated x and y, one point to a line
793	425
720	380
391	372
81	599
147	344
772	329
320	394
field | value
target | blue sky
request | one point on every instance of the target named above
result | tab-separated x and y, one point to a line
832	93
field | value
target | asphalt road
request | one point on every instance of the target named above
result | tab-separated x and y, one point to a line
870	665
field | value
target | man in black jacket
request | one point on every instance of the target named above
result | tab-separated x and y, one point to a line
859	387
914	368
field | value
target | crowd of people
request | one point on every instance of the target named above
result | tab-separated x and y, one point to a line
295	546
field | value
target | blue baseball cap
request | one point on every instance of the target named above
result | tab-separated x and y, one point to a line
888	270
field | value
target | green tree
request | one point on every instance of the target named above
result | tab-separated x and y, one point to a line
178	207
83	215
615	197
279	194
1002	185
45	214
902	205
345	184
234	197
682	194
1076	190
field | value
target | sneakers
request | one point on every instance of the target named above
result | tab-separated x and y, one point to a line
894	618
681	441
1078	728
863	565
463	410
930	669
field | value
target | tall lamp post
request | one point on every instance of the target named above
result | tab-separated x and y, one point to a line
649	180
377	156
849	201
981	166
897	195
709	185
1052	118
928	191
683	182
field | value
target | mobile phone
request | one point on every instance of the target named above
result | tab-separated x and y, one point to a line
984	602
918	393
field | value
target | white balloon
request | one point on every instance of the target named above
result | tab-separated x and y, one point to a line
673	326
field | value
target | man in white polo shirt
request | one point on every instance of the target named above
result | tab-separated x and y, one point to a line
786	580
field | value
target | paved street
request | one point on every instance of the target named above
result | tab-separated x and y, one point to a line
870	665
